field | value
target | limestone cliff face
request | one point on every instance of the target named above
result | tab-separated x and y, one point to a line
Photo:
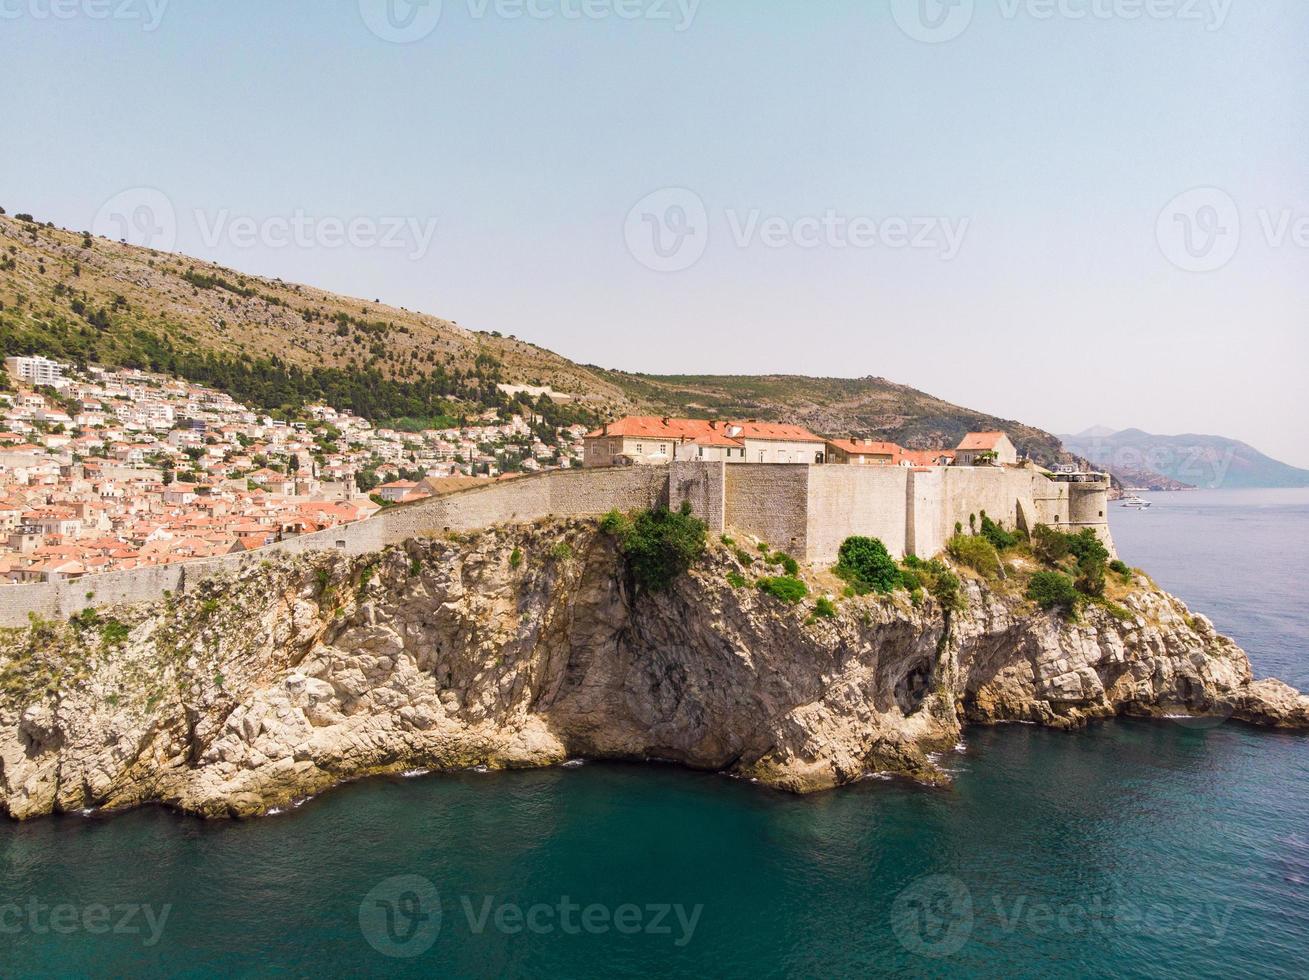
526	646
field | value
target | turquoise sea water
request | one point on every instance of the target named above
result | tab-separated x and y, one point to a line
1132	849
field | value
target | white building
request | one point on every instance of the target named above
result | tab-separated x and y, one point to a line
36	371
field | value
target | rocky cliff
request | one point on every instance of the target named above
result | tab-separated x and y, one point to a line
528	646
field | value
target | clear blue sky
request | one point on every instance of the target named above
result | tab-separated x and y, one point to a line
1055	143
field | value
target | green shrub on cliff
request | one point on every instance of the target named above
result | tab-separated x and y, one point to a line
977	553
659	545
1052	546
1054	590
998	536
824	608
867	565
1090	577
784	587
948	591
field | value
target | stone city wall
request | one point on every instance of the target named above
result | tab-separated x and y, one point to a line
804	510
569	493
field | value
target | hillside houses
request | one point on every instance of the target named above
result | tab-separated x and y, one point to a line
110	470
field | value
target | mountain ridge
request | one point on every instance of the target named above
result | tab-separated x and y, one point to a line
278	345
1190	459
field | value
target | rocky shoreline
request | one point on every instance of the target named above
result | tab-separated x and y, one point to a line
527	646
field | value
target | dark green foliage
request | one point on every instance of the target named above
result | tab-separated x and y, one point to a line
948	591
910	579
1090	577
660	545
1054	590
867	565
86	619
1049	545
614	523
997	535
515	557
789	564
736	580
1120	568
1086	545
784	587
976	552
1052	546
824	608
114	633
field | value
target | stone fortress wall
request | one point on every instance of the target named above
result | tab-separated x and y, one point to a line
805	510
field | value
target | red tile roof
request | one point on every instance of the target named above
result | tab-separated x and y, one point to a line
703	432
981	441
866	447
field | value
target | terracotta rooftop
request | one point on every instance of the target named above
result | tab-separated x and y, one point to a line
981	441
704	432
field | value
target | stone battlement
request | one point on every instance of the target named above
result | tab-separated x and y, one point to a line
805	510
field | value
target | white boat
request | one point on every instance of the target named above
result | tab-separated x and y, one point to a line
1136	502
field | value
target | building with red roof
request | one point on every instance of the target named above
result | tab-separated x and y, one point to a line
986	447
651	441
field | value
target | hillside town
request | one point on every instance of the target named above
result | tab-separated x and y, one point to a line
110	470
106	470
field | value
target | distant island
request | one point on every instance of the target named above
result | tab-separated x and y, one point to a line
1182	462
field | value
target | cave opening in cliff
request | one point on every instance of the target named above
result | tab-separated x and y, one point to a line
913	687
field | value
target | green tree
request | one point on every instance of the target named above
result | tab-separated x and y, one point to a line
867	565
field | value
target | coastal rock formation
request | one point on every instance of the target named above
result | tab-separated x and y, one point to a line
528	645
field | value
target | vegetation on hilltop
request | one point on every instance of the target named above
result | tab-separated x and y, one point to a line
278	345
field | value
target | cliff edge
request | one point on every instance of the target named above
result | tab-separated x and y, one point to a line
529	645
